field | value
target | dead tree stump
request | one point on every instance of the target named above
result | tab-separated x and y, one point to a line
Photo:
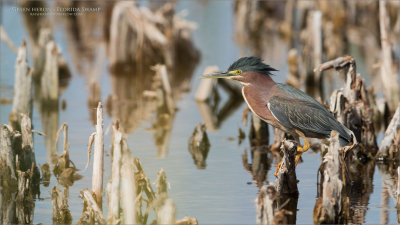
8	176
128	186
286	182
389	148
22	101
351	105
7	159
91	212
347	169
98	157
19	173
329	205
388	72
277	204
59	202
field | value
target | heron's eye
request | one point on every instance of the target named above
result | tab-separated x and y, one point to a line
238	72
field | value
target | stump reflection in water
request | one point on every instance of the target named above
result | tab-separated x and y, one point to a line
145	95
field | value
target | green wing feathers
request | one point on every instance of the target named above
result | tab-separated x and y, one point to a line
309	117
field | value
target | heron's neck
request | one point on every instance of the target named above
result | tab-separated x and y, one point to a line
259	89
252	78
261	81
257	94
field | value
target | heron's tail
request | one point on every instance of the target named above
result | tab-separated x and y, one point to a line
346	136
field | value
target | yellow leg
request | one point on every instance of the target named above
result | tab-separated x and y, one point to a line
301	150
277	168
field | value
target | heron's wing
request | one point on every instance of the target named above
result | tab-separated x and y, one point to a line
295	93
306	116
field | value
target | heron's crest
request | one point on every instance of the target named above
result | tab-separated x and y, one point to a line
252	63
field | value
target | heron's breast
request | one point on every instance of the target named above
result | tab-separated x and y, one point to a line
257	101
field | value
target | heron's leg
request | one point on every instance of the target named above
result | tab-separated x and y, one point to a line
300	149
277	168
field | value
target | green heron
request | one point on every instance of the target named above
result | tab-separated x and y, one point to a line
282	105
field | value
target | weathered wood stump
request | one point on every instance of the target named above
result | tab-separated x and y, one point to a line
59	201
8	176
91	212
22	100
286	182
128	186
329	205
20	179
389	148
346	172
351	105
388	159
98	157
388	72
113	186
277	204
65	170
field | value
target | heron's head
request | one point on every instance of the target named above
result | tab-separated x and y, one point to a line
244	70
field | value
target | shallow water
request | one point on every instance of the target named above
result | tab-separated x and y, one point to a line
223	192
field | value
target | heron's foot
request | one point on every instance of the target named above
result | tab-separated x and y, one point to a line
300	151
298	156
277	168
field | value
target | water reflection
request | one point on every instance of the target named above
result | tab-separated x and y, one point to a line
139	95
389	174
348	192
199	146
45	179
213	111
128	101
50	119
259	165
358	185
38	29
51	73
138	91
85	36
162	127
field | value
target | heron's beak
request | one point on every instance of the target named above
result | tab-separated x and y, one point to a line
226	75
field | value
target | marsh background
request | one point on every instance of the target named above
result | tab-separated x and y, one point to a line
219	191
